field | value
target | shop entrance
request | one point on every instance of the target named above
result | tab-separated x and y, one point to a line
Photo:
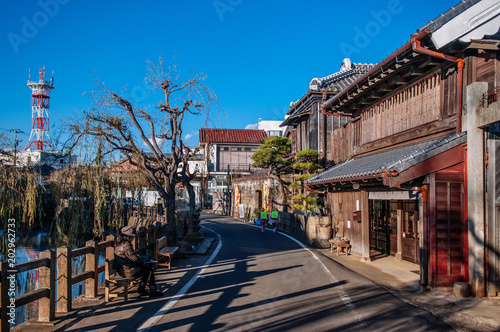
383	228
383	216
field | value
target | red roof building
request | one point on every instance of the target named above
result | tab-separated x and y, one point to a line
215	135
227	151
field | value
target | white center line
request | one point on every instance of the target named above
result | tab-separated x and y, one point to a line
150	322
340	290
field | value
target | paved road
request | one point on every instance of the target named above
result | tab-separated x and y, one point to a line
269	282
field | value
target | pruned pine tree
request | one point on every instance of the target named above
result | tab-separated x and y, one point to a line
306	164
272	155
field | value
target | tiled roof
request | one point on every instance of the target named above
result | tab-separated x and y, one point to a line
392	160
340	80
447	16
349	72
211	135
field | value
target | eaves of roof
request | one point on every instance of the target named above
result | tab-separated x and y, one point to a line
447	16
377	69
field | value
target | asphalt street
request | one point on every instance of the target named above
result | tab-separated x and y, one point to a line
257	281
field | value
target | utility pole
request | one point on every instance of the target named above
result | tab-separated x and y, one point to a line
228	192
16	131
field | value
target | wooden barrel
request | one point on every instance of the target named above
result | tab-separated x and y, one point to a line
337	242
324	233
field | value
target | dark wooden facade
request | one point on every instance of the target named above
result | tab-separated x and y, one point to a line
312	129
412	98
448	254
410	102
342	206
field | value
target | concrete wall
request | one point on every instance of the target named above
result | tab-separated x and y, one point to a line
305	228
297	224
252	195
475	187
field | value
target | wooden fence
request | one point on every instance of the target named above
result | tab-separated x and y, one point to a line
63	257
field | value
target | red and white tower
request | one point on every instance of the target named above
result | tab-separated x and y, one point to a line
40	105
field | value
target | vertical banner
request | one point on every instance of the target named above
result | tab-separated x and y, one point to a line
237	195
266	193
241	211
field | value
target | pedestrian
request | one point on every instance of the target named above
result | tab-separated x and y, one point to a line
263	219
129	264
274	220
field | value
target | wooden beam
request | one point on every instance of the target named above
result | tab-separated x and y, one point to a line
415	71
430	61
372	94
400	80
440	126
32	296
384	87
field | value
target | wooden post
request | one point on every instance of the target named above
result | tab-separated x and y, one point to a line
64	270
157	230
91	264
151	240
47	306
110	251
399	231
4	302
141	239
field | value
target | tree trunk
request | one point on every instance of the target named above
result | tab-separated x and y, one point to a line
192	207
281	186
170	214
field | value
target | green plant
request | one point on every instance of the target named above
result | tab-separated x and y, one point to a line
272	155
306	164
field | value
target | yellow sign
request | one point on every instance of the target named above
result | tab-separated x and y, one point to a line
266	193
237	195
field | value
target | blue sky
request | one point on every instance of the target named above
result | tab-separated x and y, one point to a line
258	55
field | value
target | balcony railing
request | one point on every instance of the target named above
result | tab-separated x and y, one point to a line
239	168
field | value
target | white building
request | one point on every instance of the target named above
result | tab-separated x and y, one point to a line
272	128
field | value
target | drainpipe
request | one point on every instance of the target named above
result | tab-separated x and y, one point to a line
460	65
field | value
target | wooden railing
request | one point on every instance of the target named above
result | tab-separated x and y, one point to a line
149	212
45	294
63	257
65	279
491	97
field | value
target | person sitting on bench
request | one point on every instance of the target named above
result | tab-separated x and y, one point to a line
131	265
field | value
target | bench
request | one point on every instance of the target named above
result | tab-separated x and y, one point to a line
113	281
341	247
162	251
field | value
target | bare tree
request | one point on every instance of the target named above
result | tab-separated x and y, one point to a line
139	133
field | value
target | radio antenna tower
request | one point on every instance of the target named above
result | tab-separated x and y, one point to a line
40	105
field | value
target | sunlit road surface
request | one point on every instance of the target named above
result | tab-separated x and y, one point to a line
269	282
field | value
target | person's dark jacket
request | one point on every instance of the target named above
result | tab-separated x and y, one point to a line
126	257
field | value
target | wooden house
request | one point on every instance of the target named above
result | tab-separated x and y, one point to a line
308	127
402	175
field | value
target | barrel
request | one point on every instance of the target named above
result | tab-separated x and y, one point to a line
324	233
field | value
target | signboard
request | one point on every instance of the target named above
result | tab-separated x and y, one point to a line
266	192
395	195
237	194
